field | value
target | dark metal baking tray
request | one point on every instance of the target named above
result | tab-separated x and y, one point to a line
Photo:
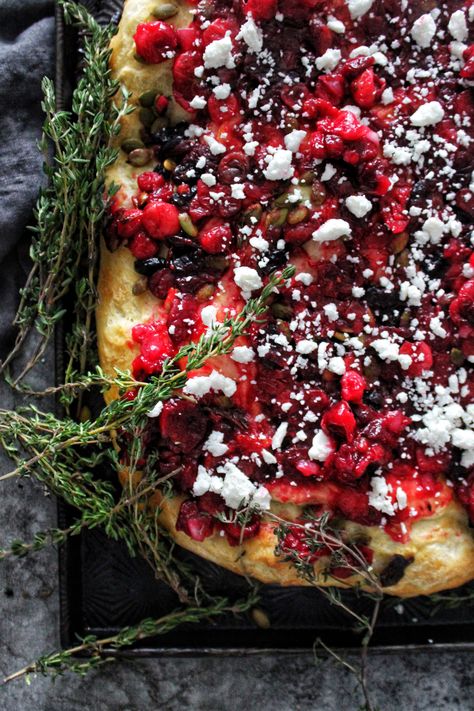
103	589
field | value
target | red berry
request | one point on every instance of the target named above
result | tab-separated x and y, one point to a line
150	181
185	84
154	41
161	104
339	420
260	9
142	247
366	89
218	29
215	236
330	87
128	222
222	109
161	220
421	357
196	524
188	37
353	386
184	423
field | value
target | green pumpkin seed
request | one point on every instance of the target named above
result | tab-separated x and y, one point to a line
298	215
277	217
205	292
147	99
253	213
147	117
217	261
158	124
139	157
187	224
163	12
399	243
260	618
457	356
131	144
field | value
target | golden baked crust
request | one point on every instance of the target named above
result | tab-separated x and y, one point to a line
442	545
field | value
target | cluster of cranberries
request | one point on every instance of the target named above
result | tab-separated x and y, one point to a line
183	240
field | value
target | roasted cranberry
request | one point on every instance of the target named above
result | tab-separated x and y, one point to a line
161	220
222	109
185	85
236	533
154	41
183	423
339	420
211	503
142	247
128	222
353	386
330	88
260	9
215	236
421	357
150	181
194	523
233	167
147	267
161	282
181	319
367	88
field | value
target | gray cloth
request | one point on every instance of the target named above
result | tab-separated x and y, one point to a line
26	55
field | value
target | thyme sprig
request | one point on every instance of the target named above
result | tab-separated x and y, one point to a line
60	662
70	210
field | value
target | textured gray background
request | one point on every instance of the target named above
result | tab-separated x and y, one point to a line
28	588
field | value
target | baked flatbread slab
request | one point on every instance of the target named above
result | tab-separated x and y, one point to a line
441	546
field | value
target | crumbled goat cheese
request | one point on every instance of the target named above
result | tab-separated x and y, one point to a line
423	30
359	205
243	354
329	60
336	25
304	278
321	447
358	8
332	229
237	489
428	114
379	496
304	347
386	350
251	35
293	140
206	482
208	316
279	435
215	444
208	179
155	410
199	102
214	146
201	385
279	166
337	365
457	26
222	91
247	279
237	191
219	54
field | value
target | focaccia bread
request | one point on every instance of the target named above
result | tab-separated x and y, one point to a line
333	136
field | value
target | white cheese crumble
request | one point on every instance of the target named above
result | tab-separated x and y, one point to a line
293	140
222	91
359	205
358	8
215	444
247	279
251	35
206	482
336	25
279	166
304	347
332	229
243	354
379	496
219	54
279	436
199	102
457	26
237	489
214	146
155	410
423	30
428	114
329	60
208	179
201	385
321	447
